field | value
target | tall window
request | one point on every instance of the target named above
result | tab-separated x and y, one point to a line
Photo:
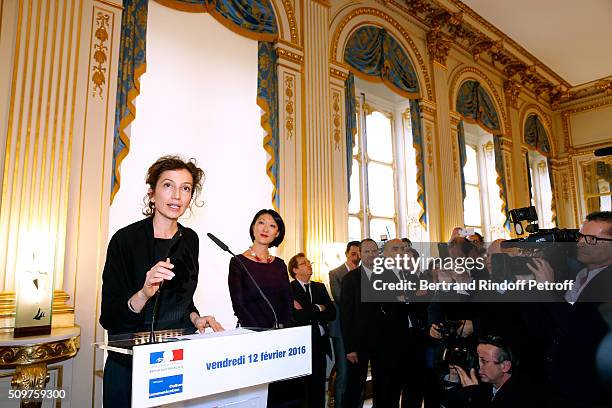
372	211
383	179
541	191
483	204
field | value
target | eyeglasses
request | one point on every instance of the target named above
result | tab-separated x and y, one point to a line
482	361
591	239
307	263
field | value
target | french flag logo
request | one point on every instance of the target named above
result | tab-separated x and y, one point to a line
167	356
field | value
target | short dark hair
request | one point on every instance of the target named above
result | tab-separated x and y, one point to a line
407	240
602	216
351	244
279	223
367	240
505	352
293	263
166	163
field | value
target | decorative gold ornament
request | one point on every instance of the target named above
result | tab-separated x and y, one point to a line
512	90
100	53
289	105
336	73
605	86
336	119
283	53
438	46
30	376
428	139
11	356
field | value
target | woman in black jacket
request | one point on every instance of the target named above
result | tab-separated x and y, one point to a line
144	255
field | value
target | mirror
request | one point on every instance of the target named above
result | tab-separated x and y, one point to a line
597	182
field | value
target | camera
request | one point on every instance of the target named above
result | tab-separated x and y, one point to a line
555	245
456	350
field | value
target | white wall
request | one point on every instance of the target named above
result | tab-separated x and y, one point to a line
198	99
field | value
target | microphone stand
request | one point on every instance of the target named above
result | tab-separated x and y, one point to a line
244	268
173	242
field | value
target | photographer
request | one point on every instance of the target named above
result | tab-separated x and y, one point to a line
498	388
573	326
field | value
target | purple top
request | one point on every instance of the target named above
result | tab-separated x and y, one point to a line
249	307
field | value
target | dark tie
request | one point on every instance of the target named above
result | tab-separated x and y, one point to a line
307	287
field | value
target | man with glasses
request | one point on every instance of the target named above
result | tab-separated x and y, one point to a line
312	306
498	387
573	327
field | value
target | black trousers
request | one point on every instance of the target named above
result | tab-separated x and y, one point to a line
117	385
315	383
386	388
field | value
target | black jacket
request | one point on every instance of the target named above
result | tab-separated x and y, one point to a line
311	314
130	254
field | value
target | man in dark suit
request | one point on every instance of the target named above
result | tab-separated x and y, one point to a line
573	327
499	387
335	283
312	306
363	321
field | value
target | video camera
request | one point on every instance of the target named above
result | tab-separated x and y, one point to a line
555	245
456	350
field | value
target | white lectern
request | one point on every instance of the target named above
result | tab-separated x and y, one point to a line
226	369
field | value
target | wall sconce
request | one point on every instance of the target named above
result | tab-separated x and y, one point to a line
34	284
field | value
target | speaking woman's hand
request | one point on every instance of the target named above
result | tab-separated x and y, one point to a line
158	273
202	322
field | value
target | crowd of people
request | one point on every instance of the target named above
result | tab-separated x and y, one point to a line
423	347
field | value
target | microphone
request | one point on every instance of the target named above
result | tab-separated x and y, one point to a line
171	248
244	268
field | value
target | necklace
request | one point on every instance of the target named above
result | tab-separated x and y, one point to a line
269	259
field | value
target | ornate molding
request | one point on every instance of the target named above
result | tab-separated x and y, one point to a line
438	46
512	89
336	73
428	109
11	356
289	102
566	128
293	32
336	119
288	55
380	14
100	51
605	86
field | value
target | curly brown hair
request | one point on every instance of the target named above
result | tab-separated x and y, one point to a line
166	163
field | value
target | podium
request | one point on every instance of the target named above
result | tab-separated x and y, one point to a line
224	369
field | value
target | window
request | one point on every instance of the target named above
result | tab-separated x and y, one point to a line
383	179
541	192
482	207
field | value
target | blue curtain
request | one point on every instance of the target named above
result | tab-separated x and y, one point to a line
462	157
375	53
419	147
132	64
476	106
535	135
267	99
351	126
251	18
501	180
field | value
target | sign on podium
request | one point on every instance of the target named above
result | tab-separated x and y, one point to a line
231	368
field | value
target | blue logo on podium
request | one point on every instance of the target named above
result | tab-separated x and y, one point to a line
159	387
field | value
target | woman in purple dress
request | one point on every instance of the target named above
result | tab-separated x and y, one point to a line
267	230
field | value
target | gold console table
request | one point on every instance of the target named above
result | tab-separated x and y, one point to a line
29	356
